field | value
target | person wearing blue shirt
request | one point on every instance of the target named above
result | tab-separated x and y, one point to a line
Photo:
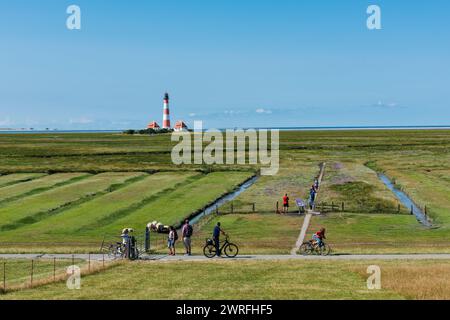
216	237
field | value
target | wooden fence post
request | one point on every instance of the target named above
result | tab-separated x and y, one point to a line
254	209
277	207
54	269
103	260
217	210
4	276
412	210
399	208
31	274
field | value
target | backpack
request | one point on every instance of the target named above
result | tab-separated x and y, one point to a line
175	234
189	231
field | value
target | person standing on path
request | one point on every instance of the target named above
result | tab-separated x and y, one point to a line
187	232
285	204
312	198
173	237
216	237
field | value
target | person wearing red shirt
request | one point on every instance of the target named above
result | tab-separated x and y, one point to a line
319	236
285	204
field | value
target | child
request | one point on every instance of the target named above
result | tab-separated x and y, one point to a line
319	236
173	237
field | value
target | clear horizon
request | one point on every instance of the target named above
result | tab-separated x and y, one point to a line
227	63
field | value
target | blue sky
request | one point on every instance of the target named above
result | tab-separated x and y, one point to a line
230	63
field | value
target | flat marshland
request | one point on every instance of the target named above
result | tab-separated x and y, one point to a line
65	192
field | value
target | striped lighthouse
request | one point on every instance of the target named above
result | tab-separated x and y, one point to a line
166	114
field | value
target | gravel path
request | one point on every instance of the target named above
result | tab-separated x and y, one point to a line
300	257
306	221
99	257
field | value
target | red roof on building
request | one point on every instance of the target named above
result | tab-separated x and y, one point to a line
180	125
153	125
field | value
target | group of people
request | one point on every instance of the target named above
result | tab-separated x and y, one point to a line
312	197
187	232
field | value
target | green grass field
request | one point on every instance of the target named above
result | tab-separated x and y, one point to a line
253	233
264	280
18	272
40	206
63	192
20	190
73	222
173	207
417	160
78	216
11	179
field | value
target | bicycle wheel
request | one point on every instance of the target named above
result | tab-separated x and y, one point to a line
209	251
231	250
134	254
305	249
325	250
112	251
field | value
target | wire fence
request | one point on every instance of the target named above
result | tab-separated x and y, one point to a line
17	274
236	207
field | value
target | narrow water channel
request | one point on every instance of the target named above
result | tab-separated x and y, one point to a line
227	198
405	200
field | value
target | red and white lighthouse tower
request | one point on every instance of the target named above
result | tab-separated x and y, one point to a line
166	114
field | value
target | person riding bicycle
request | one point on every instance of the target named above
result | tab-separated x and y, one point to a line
216	237
319	236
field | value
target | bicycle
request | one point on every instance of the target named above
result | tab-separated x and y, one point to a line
311	247
119	250
116	250
230	249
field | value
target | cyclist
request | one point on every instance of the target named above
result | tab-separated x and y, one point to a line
216	237
319	236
